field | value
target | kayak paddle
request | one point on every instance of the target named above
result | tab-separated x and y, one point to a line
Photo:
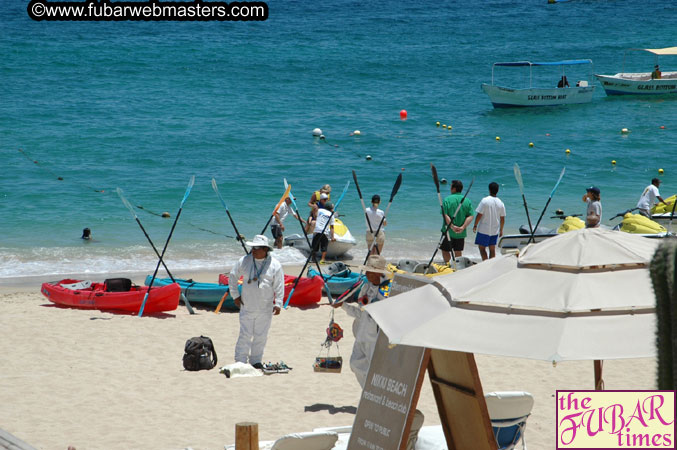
310	246
533	231
312	254
131	210
157	267
232	222
518	177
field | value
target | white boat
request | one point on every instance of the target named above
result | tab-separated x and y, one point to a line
343	243
506	97
625	83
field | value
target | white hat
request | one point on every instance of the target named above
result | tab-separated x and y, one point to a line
376	263
323	196
259	241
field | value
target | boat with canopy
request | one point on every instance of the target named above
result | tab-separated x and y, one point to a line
505	97
630	83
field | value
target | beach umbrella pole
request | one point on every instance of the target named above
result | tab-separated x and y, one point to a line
157	267
131	210
533	231
345	189
393	192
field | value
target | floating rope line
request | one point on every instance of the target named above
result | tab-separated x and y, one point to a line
41	165
44	167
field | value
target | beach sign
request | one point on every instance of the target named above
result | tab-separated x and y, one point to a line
387	405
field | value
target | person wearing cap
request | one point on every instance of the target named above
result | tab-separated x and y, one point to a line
324	231
261	298
593	215
656	74
277	228
457	230
648	198
317	196
374	216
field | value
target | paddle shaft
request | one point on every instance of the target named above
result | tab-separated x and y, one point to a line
533	231
312	253
359	193
518	177
232	222
672	214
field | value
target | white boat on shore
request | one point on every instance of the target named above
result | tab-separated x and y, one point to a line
343	243
507	97
625	83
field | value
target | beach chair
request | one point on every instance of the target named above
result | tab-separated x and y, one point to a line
315	440
508	412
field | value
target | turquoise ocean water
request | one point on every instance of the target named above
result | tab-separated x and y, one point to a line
145	105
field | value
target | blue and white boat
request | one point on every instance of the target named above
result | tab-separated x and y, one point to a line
506	97
641	83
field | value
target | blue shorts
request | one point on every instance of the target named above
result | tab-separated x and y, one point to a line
485	240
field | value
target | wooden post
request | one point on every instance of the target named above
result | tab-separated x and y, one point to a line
247	436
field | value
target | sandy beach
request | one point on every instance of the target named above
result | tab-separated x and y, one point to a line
98	380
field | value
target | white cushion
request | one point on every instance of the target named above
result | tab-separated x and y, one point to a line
315	440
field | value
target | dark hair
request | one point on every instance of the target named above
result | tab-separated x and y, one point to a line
655	180
376	198
457	185
86	233
493	188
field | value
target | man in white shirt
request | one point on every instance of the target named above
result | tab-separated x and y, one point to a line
649	197
489	222
277	228
374	215
324	230
261	299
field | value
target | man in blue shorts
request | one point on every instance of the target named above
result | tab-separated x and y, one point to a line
455	233
489	222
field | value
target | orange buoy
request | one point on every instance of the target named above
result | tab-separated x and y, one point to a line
403	114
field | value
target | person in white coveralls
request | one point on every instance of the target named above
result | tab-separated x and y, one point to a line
261	299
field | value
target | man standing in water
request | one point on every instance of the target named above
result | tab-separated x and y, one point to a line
261	299
489	222
456	230
277	228
374	217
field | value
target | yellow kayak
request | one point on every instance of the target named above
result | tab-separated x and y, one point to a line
441	269
660	208
639	224
571	223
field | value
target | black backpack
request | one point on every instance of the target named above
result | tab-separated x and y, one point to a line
199	354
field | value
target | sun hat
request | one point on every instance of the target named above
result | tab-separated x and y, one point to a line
376	263
593	189
323	196
259	241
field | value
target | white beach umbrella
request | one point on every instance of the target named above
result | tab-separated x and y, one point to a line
582	295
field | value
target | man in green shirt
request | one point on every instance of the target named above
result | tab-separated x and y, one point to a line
455	231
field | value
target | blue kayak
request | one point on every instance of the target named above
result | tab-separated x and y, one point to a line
339	281
196	292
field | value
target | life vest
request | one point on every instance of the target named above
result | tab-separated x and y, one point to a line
318	194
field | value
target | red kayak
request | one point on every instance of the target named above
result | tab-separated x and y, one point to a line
308	291
111	295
